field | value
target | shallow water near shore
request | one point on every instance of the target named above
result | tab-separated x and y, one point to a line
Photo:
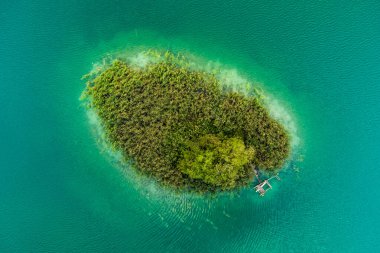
62	191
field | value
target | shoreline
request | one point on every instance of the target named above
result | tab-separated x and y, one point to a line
229	81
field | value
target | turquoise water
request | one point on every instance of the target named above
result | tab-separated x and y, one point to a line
61	192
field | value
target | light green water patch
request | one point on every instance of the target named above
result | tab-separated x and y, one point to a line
110	192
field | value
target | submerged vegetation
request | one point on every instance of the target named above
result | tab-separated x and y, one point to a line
178	125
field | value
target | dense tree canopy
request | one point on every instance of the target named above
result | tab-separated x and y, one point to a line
218	162
178	125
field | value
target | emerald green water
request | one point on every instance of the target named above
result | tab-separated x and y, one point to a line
60	191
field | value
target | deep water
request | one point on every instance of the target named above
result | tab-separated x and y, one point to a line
60	191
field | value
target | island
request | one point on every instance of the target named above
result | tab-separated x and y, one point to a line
180	126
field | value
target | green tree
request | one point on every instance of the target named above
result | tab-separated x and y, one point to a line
216	160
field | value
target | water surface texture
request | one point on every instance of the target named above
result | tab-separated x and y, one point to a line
60	191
